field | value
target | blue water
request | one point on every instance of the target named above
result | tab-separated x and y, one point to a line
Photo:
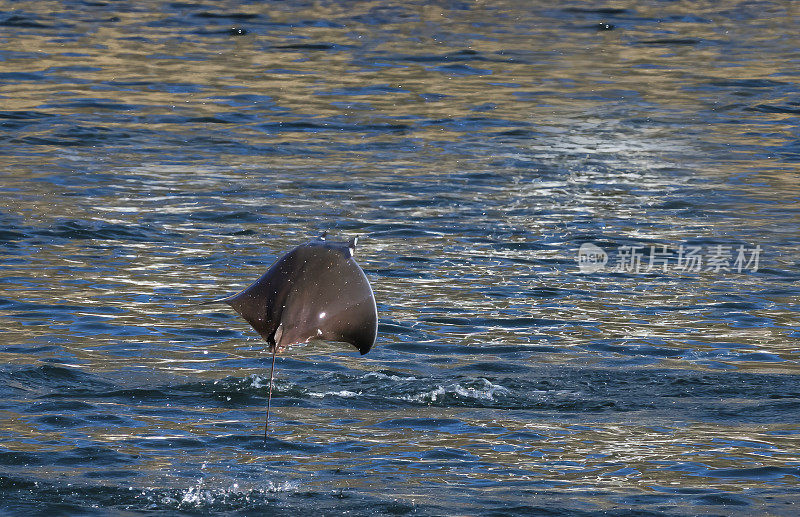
156	155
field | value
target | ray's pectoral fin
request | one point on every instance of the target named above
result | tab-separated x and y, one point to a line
357	325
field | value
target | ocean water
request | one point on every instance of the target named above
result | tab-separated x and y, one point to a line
580	220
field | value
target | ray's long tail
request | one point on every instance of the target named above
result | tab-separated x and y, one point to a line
269	398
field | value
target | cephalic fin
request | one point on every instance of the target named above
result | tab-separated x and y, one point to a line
352	243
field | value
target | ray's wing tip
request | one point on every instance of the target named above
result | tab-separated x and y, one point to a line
363	348
367	344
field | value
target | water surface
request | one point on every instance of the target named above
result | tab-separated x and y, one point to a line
159	154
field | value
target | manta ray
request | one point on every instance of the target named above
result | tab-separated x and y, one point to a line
315	291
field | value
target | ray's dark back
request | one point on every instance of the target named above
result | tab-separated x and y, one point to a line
317	290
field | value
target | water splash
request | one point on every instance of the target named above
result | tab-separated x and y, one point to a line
485	391
203	497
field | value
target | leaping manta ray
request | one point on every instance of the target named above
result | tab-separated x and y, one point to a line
315	291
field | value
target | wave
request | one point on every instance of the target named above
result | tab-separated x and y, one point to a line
484	391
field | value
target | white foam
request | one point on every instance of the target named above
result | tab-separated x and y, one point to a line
196	496
379	375
341	393
257	381
286	486
199	496
487	392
